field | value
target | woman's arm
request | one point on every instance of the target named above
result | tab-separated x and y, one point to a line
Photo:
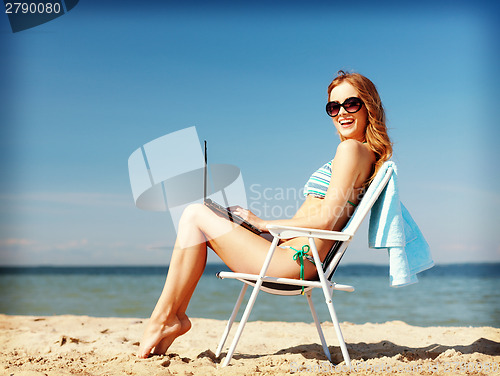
351	168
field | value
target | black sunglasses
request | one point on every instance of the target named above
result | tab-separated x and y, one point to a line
351	105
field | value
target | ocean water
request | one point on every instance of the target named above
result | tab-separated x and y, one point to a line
447	295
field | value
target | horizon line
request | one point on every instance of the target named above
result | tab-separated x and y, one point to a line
219	264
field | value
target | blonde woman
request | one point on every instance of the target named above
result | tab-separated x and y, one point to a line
332	193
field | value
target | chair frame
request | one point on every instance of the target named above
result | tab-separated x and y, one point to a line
325	273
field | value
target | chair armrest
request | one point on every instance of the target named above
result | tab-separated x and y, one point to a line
287	232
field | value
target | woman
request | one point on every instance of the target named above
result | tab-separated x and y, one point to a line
358	115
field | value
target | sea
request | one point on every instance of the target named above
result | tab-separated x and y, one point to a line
446	295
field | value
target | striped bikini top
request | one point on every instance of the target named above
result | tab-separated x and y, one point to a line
318	183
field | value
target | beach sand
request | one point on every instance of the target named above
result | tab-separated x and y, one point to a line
82	345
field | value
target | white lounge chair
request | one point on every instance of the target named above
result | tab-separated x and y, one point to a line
287	286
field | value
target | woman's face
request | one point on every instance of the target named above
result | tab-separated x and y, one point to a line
349	125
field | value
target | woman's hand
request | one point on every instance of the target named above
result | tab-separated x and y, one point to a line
248	216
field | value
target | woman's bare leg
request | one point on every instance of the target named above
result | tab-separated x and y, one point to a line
240	249
185	269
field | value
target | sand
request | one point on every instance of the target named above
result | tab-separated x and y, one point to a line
82	345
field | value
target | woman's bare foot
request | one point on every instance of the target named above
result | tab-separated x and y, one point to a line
157	332
162	347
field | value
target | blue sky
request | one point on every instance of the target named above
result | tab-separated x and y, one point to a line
82	92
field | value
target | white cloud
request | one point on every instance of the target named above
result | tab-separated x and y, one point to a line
72	198
12	242
490	197
30	245
460	247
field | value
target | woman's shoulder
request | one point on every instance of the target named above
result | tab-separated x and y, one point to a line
355	152
352	148
356	157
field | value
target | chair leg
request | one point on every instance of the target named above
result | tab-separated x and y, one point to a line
231	320
243	321
251	301
340	337
318	326
327	292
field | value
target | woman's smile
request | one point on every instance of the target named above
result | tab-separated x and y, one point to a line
346	122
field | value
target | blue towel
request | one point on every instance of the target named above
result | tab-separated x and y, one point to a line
392	227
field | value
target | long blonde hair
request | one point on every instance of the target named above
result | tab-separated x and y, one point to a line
376	131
